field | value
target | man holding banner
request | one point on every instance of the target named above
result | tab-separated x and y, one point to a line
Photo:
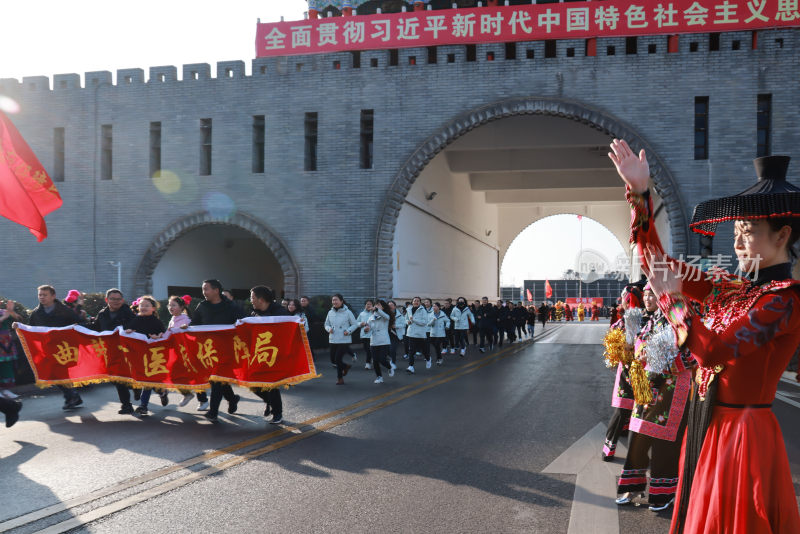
217	310
52	313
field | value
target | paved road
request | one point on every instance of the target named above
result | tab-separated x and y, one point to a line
461	448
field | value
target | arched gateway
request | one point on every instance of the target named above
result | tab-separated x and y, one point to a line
143	281
665	184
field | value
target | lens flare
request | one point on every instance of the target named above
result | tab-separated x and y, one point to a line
9	105
219	205
167	182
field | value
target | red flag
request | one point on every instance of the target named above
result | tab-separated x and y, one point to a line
580	217
548	291
27	193
530	297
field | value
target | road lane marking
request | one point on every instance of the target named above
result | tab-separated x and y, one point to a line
410	389
106	510
593	507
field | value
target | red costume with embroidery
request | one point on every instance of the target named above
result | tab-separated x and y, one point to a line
742	483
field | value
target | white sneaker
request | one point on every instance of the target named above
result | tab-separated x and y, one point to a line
444	351
367	366
405	356
186	399
10	395
463	351
452	351
410	369
392	365
427	364
379	380
203	407
391	371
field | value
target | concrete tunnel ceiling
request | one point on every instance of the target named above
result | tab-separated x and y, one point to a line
536	159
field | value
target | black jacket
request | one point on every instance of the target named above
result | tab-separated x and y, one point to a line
223	312
486	316
146	324
274	310
520	315
103	322
60	316
504	317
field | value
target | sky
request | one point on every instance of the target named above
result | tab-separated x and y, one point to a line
46	37
525	261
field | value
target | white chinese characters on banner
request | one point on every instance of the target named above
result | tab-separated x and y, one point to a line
504	24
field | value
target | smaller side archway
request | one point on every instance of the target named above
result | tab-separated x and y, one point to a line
143	280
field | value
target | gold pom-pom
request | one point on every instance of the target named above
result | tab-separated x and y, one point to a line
614	345
640	384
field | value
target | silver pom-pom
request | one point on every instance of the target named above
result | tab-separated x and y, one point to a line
661	349
633	324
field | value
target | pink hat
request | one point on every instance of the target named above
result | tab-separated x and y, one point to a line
187	299
648	287
135	302
73	295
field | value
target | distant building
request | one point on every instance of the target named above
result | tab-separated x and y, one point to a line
608	289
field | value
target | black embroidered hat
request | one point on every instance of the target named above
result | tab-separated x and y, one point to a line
772	196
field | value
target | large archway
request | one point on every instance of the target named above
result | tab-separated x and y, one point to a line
242	230
430	152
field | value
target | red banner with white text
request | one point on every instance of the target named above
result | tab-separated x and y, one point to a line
611	18
259	352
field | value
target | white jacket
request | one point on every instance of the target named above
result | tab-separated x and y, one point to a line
461	319
418	322
439	324
340	324
400	325
379	327
363	317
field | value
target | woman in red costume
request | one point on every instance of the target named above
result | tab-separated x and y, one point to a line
749	331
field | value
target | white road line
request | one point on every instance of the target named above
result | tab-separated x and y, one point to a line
593	506
787	400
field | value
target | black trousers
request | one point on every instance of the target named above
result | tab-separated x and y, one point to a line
520	331
662	462
437	342
417	347
338	351
69	393
461	339
124	394
272	398
380	356
393	343
487	332
450	339
426	351
618	424
367	349
218	391
8	406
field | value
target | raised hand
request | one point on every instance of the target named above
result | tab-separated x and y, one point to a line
664	279
633	169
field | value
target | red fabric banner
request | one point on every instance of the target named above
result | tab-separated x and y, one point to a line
586	301
260	352
611	18
27	193
548	290
528	293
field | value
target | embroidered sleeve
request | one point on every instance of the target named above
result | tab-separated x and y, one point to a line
679	314
774	315
695	283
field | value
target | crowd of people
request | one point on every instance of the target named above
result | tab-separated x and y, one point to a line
419	330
